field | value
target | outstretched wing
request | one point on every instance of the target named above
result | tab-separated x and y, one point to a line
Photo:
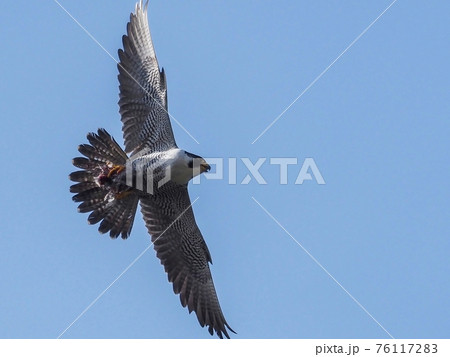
182	250
143	90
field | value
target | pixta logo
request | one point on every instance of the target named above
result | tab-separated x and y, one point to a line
243	170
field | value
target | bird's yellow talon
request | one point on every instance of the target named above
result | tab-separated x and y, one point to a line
122	195
116	170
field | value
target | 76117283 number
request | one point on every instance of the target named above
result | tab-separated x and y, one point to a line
407	348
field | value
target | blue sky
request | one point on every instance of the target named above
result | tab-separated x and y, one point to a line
376	124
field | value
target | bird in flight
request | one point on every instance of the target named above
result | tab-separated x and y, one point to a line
111	184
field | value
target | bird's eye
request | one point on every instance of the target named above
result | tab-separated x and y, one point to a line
191	164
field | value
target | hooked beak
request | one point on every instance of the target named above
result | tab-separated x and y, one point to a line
204	167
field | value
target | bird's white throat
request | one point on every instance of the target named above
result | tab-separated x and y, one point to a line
178	162
171	165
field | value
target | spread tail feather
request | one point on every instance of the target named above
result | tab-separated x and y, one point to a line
110	202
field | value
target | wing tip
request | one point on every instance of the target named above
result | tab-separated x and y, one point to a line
140	6
221	331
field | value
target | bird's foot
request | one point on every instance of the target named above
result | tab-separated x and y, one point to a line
108	174
117	169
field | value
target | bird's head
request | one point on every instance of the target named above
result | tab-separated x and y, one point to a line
197	164
184	166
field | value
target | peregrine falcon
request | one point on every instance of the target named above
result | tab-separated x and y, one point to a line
111	184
